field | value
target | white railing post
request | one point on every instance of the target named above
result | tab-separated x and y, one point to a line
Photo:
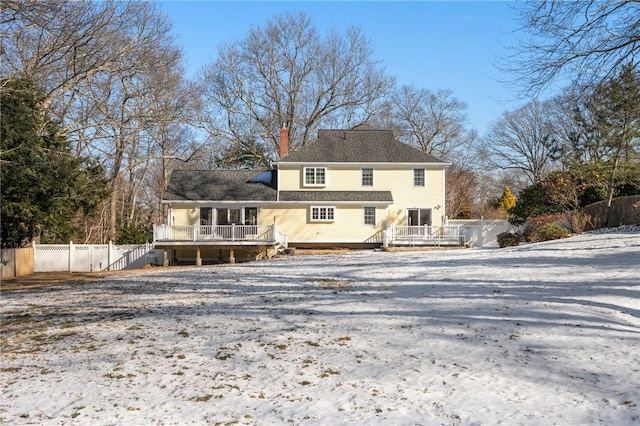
233	232
109	255
35	257
70	257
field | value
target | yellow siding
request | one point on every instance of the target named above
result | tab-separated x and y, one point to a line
184	216
341	179
348	226
289	179
406	195
398	181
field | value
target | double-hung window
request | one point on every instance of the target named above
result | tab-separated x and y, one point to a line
369	215
315	176
418	177
322	213
367	177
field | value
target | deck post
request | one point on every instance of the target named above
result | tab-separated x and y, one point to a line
165	257
198	258
232	258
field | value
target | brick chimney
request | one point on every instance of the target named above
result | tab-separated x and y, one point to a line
284	141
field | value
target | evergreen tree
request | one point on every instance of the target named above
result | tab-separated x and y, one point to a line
533	201
44	187
609	136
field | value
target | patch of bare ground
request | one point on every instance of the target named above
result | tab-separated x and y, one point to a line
41	280
308	251
49	279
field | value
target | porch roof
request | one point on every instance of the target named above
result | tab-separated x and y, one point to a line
337	196
228	185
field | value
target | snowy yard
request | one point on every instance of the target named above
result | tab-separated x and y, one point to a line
538	334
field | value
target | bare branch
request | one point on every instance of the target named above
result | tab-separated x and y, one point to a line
585	42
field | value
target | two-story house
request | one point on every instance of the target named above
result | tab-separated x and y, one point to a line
349	188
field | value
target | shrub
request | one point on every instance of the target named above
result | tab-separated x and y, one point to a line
533	224
552	231
578	220
508	239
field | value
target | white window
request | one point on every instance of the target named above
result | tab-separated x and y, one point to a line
322	214
418	177
367	177
369	215
315	176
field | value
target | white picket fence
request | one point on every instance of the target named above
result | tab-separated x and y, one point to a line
481	232
91	257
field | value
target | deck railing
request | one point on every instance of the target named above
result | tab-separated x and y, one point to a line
222	233
422	234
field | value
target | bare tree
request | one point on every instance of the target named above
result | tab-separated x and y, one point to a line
522	140
286	73
101	67
63	44
172	107
433	122
583	41
462	192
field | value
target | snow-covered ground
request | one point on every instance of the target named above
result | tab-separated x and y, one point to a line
539	334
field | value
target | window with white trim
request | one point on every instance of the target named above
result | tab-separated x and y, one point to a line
418	177
315	176
369	214
322	214
367	177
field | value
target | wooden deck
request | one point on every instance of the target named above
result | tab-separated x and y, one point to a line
218	243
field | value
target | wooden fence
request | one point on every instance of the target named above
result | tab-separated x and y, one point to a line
623	211
16	262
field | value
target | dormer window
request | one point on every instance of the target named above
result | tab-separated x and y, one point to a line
315	176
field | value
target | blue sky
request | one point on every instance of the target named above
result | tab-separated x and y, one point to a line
428	44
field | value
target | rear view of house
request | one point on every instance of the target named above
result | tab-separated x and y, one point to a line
348	188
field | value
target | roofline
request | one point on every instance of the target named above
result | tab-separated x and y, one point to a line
275	203
327	202
351	164
209	202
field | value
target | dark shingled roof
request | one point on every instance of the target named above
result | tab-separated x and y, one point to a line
337	196
225	185
362	144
